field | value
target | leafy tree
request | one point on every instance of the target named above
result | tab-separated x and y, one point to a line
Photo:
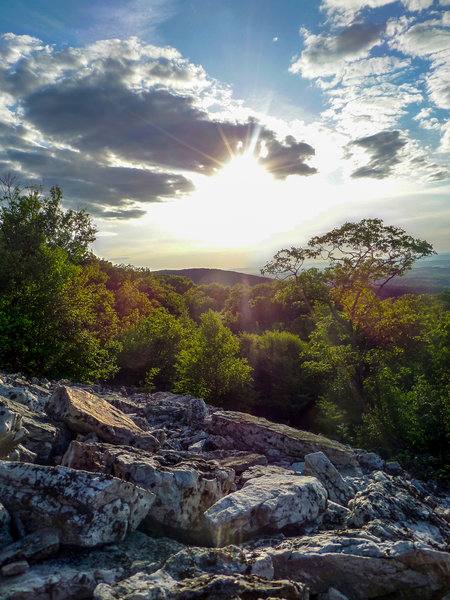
282	388
150	350
45	308
210	367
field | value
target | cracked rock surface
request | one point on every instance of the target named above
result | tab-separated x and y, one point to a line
110	494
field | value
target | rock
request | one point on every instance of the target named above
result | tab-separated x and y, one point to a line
332	594
269	503
397	505
87	509
370	461
236	460
274	439
393	468
318	465
184	488
5	519
261	471
164	407
17	568
11	431
161	585
85	413
360	566
191	562
40	544
44	438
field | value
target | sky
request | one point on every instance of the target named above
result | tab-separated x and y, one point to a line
207	133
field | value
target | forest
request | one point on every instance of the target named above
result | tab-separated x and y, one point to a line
317	348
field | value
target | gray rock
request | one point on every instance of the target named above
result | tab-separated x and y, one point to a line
85	413
161	585
397	505
393	468
269	503
11	431
44	438
184	488
17	568
274	439
40	544
5	519
318	465
360	566
87	509
370	461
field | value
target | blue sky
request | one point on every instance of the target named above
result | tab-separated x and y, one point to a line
207	133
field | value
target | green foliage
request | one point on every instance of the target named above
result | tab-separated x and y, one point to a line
210	367
150	350
282	390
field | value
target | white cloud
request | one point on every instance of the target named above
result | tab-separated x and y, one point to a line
326	55
445	140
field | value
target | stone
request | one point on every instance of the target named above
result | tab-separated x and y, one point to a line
5	519
161	585
274	439
17	568
184	488
370	461
393	468
261	471
163	407
85	413
40	544
318	465
88	509
360	566
268	503
398	506
44	438
11	431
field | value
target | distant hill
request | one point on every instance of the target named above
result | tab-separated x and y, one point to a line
430	276
206	276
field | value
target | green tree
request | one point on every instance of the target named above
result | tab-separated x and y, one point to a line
43	313
150	350
210	366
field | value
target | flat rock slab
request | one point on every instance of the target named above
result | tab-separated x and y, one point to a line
160	586
83	412
360	566
88	509
318	465
265	504
37	545
260	435
184	488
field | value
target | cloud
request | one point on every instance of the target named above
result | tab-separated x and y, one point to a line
392	153
325	55
383	150
119	124
343	12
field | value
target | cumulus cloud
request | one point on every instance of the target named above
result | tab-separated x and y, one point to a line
383	150
343	12
119	124
326	54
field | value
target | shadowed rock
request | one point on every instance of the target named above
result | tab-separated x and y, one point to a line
87	509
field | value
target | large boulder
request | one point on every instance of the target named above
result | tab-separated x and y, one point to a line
277	440
318	465
265	504
87	509
360	566
83	412
184	488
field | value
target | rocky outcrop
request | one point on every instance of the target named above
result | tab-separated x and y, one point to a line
276	440
184	489
265	504
268	511
87	509
85	413
360	566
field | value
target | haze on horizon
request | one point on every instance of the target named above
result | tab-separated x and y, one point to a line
202	133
